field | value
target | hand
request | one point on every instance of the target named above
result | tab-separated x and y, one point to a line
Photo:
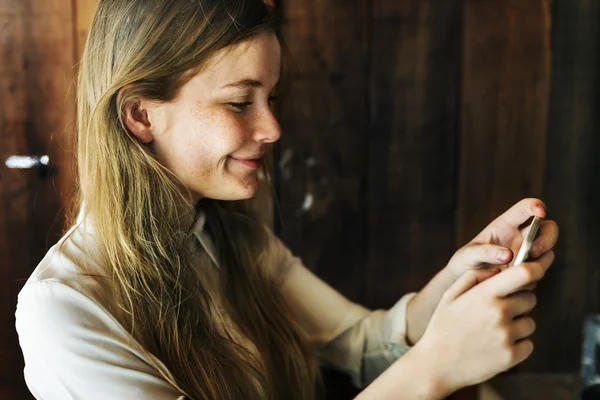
479	328
482	253
498	243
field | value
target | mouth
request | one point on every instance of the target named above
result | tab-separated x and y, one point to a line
254	162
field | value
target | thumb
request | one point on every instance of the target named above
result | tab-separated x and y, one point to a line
468	280
473	255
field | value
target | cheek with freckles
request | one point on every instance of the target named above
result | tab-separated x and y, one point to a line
218	134
204	150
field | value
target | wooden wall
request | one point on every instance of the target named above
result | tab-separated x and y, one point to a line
408	125
572	184
36	110
40	42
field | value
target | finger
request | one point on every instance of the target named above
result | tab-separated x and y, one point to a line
519	303
514	278
546	240
530	287
523	210
521	328
467	281
473	255
546	259
513	217
520	352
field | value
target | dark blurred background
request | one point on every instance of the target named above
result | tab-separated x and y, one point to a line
408	125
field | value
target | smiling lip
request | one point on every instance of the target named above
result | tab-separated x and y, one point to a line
253	162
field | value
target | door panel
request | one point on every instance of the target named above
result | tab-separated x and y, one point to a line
36	118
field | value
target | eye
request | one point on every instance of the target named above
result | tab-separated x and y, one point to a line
240	107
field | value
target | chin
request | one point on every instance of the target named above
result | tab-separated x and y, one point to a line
240	192
248	192
232	190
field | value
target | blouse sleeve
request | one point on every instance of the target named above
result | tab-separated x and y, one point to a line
73	349
349	337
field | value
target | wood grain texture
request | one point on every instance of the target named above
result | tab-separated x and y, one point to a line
571	288
322	149
322	152
414	108
36	115
505	91
84	14
414	92
12	118
525	386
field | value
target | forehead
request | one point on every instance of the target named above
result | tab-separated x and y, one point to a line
258	58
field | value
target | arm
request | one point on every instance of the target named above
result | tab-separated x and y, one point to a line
413	374
74	349
351	338
421	307
478	330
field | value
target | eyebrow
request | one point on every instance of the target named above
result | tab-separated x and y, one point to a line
246	83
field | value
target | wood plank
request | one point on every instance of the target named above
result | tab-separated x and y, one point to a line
414	91
322	149
527	386
414	81
505	89
36	114
571	288
12	126
322	152
85	10
12	116
506	83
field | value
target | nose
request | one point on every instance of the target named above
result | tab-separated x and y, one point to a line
267	129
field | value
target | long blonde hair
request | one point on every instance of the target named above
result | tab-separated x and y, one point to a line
142	217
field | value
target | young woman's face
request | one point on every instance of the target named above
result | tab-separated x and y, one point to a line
213	135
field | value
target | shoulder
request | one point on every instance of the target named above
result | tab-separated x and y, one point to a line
53	305
73	266
72	340
67	293
75	254
73	347
52	316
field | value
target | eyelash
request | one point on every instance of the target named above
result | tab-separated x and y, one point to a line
239	107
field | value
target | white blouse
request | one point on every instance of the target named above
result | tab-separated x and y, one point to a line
75	347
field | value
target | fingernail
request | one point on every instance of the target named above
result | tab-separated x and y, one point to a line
503	255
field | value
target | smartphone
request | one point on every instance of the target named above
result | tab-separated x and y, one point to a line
530	235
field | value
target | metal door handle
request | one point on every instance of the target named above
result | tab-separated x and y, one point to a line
41	163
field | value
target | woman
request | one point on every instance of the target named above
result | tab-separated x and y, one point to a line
168	286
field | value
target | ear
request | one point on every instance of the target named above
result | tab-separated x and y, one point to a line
135	118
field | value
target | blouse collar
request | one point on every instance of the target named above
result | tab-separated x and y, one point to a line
204	238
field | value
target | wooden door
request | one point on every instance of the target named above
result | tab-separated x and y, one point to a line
37	109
